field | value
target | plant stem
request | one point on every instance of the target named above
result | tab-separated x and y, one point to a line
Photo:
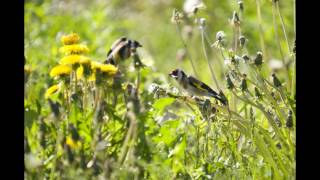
187	51
260	28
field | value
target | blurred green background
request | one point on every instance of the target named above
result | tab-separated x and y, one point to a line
100	22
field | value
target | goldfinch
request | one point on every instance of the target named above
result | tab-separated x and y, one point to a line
121	49
195	87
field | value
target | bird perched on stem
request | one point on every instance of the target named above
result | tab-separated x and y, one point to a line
195	87
121	49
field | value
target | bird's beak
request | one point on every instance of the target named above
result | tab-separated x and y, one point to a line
171	75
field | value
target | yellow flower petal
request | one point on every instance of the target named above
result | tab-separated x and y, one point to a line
60	70
80	72
74	49
74	59
70	39
73	144
53	89
108	69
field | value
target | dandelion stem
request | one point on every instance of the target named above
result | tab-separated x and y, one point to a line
260	27
283	26
187	51
206	57
279	46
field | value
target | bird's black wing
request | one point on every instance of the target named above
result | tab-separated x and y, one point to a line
116	43
200	85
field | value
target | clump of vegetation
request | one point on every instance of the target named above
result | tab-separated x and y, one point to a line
125	120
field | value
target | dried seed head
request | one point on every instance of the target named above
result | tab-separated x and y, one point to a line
202	22
276	81
243	85
289	121
258	59
242	41
220	35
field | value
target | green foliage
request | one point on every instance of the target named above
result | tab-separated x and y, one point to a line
141	126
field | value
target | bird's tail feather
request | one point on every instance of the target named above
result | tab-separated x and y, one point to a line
222	100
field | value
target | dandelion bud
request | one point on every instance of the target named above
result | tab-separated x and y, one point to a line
257	93
230	84
258	59
289	121
275	80
243	85
242	41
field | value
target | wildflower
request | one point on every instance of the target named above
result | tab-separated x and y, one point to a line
53	89
70	39
95	65
60	70
275	80
79	72
108	69
70	60
73	143
258	59
74	49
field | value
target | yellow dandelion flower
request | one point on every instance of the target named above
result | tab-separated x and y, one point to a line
95	65
70	39
79	72
84	60
74	49
108	69
60	70
53	89
92	77
70	60
72	143
74	59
